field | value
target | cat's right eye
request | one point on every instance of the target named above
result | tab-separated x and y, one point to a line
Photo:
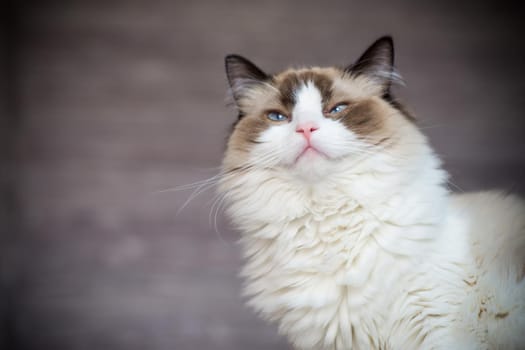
276	116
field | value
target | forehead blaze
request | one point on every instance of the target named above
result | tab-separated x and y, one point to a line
289	83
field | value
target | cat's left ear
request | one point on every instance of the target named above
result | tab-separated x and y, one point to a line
242	75
377	63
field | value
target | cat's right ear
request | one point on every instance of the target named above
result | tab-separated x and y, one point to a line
242	75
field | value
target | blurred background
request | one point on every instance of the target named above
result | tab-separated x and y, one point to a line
105	104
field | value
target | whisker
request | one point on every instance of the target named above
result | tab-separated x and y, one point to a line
214	178
431	126
214	213
455	185
199	190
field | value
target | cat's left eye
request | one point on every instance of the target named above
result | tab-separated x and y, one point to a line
338	108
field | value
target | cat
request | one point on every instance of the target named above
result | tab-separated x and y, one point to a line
350	236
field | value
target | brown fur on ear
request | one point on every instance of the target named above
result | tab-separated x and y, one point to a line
377	63
242	74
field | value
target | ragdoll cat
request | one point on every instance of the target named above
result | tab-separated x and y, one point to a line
350	236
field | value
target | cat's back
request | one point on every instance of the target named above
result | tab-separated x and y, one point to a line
495	306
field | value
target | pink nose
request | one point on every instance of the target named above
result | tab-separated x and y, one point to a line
307	129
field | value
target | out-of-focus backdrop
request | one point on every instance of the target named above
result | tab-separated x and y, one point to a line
106	103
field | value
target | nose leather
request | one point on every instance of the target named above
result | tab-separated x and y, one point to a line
307	129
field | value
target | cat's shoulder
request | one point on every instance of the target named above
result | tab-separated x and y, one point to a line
490	206
496	229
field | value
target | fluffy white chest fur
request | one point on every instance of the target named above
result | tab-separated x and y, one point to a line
413	270
350	237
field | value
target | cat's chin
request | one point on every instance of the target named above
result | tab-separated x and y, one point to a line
311	164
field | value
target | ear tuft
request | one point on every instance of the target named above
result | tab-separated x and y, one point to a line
242	74
377	63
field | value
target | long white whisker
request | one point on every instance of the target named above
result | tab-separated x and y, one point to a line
199	190
196	184
214	212
218	208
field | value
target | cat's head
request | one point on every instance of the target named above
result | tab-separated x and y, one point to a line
309	121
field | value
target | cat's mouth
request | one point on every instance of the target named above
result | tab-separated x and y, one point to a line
309	152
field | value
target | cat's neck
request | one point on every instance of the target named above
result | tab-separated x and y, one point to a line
414	195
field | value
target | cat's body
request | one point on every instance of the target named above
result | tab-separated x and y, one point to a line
350	237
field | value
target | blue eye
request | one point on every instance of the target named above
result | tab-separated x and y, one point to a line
339	108
276	116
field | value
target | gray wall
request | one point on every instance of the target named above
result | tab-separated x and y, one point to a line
112	101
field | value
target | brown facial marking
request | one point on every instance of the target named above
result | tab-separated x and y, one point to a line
292	81
324	84
363	118
249	129
287	90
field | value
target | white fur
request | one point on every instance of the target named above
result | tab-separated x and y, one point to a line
309	104
367	250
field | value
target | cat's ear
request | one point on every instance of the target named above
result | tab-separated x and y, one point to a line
242	74
377	63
